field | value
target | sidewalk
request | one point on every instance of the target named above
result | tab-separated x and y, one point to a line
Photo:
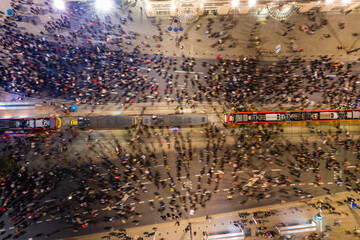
268	30
287	213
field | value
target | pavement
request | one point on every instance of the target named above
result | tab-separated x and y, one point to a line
268	30
286	213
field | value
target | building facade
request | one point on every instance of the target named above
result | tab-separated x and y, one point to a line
190	10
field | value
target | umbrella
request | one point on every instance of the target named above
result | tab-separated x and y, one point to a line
73	107
9	12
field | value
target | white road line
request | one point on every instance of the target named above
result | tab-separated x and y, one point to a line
225	190
85	212
351	167
163	180
301	184
183	177
48	220
274	185
207	192
198	175
11	227
142	202
132	203
330	183
67	216
284	185
239	171
293	184
255	170
2	230
57	218
146	182
151	200
311	183
276	170
160	199
104	209
51	200
39	222
169	197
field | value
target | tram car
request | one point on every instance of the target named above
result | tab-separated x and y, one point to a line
38	123
290	116
103	122
176	120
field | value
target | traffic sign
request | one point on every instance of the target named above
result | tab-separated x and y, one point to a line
354	205
318	217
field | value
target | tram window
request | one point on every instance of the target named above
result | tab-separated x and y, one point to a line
232	118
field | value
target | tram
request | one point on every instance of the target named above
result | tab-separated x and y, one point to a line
36	123
103	122
290	116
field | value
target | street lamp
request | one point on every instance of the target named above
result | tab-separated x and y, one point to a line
103	5
188	228
59	4
155	229
177	27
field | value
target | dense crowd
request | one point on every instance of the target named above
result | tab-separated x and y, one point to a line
84	68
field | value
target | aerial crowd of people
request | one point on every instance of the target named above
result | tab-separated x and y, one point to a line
88	66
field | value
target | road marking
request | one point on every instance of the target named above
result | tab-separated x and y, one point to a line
85	212
48	220
293	184
255	170
147	182
276	170
160	199
104	209
132	203
226	190
207	192
284	185
39	222
183	177
2	230
198	175
311	183
301	184
51	200
11	227
169	197
274	185
151	200
351	167
142	202
330	183
239	171
57	218
67	216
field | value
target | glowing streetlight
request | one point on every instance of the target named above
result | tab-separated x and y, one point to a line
234	3
103	5
252	3
59	4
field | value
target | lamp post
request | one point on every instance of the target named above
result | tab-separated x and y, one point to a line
155	229
177	27
188	228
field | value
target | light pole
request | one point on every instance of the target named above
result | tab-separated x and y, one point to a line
155	229
319	218
177	27
188	228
